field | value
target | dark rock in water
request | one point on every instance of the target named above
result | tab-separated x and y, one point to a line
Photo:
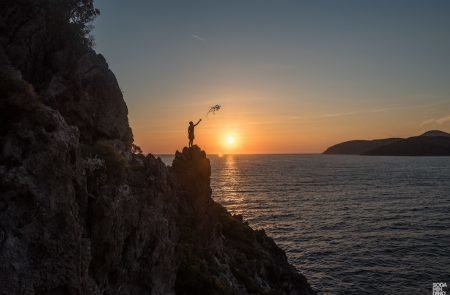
80	213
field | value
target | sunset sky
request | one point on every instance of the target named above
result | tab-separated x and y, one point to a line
292	76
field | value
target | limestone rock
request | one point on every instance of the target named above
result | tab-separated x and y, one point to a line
92	101
80	211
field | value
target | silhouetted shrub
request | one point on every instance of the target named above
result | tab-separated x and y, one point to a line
19	99
194	277
34	33
115	165
135	149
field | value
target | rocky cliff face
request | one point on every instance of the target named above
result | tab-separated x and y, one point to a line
80	213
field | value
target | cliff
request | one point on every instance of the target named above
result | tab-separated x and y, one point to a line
81	210
431	143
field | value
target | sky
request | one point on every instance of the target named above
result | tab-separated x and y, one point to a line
291	76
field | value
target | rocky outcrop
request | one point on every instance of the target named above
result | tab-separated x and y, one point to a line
91	100
43	44
218	252
80	213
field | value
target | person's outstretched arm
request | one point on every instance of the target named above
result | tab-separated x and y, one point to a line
199	120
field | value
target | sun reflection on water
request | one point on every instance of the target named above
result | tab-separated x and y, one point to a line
228	184
346	211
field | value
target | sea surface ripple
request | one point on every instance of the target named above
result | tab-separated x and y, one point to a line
350	224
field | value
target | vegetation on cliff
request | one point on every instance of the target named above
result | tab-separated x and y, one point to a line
82	210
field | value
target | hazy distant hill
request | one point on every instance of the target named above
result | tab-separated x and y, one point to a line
415	146
436	133
358	147
431	143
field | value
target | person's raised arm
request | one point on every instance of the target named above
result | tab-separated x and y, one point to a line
199	120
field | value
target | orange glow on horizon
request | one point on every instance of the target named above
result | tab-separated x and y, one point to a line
260	124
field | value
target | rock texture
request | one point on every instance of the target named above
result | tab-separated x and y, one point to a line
219	253
81	212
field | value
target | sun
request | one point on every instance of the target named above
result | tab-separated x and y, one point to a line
230	140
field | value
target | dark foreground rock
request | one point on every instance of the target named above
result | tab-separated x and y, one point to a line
218	253
81	210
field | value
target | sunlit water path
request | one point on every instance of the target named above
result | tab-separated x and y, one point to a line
350	224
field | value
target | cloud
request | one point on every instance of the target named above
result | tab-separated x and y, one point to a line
427	122
197	37
443	120
439	121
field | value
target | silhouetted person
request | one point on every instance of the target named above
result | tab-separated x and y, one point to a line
191	132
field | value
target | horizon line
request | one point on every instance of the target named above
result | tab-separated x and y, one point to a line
243	154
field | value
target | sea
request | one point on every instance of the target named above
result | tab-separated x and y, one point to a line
350	224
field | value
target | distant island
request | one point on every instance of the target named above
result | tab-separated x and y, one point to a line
430	143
